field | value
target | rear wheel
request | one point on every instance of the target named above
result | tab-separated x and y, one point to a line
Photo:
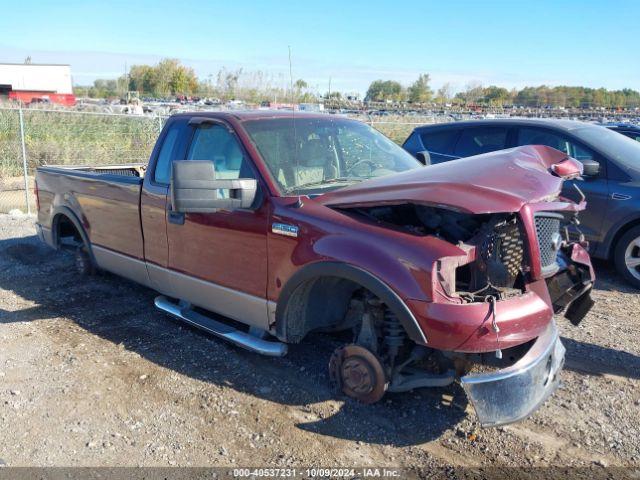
627	256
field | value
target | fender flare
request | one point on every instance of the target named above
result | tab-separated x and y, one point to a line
356	275
67	212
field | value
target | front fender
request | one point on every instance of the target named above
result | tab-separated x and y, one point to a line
407	267
357	275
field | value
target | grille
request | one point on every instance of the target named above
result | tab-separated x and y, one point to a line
503	247
546	228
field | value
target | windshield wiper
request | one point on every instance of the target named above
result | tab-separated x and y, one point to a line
328	181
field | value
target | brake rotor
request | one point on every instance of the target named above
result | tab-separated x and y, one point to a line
359	373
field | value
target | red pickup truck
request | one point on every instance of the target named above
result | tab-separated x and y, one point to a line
261	227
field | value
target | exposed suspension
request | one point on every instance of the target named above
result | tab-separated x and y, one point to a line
394	335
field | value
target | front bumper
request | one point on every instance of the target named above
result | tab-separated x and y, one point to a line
513	393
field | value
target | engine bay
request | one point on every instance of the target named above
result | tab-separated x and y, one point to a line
500	263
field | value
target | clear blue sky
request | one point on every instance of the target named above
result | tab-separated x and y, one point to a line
509	43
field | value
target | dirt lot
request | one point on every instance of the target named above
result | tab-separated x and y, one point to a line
91	374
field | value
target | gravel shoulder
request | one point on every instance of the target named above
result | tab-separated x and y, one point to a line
92	375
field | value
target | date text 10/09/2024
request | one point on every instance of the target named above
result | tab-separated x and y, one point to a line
369	472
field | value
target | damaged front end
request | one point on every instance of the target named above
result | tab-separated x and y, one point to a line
493	267
512	393
504	255
513	256
493	305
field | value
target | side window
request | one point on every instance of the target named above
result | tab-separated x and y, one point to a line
536	136
441	141
167	154
218	144
475	141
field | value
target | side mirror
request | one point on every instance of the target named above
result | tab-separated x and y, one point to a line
424	157
591	168
195	188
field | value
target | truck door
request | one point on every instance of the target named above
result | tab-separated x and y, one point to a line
172	145
218	261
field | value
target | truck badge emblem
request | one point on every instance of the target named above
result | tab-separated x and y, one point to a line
284	229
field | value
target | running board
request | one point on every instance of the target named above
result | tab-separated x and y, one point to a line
233	335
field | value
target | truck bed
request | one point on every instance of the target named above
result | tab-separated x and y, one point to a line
105	199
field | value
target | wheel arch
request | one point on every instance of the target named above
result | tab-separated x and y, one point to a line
61	214
616	233
293	326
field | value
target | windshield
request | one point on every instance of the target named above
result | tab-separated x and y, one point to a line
623	150
314	155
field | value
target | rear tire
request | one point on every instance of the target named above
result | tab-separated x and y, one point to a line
84	265
626	256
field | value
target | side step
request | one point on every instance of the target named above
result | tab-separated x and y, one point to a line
242	339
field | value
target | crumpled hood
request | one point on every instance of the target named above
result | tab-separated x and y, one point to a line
501	181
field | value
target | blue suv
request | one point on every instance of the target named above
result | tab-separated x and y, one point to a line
611	180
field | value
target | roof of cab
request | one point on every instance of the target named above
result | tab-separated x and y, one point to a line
539	122
243	115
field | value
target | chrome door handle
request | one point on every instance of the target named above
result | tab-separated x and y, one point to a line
620	196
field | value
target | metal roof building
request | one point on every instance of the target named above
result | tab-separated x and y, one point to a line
25	77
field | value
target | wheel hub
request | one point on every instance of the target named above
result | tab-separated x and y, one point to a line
359	373
632	257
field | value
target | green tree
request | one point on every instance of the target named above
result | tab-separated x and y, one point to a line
143	78
383	90
420	91
496	95
105	88
168	77
183	81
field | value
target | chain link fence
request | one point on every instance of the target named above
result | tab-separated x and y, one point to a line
31	137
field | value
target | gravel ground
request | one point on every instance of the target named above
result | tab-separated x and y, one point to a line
92	375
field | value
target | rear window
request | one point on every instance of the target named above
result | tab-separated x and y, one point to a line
475	141
441	141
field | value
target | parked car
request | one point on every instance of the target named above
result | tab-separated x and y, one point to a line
611	180
288	224
626	129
